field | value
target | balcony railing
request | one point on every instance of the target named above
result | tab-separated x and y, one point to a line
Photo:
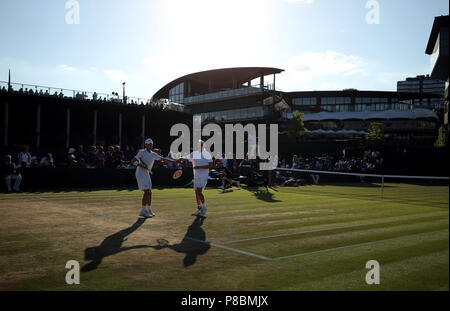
251	90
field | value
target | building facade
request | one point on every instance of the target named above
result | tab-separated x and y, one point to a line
228	96
424	84
438	49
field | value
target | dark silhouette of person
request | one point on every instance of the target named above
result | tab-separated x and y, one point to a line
110	246
193	243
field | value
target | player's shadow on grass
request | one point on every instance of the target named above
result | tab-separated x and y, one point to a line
110	246
193	244
263	194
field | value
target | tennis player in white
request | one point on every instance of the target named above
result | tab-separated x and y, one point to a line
145	159
201	164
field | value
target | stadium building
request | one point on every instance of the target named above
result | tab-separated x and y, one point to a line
424	84
438	49
249	94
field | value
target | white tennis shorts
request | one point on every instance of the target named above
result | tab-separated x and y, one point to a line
201	179
144	181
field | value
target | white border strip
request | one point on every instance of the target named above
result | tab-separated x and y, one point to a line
360	174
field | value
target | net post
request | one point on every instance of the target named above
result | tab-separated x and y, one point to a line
382	185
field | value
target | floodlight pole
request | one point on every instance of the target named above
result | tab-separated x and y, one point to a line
123	84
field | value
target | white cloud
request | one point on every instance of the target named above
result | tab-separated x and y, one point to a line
323	69
65	67
116	75
299	1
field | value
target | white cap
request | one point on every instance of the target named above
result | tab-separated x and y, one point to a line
149	142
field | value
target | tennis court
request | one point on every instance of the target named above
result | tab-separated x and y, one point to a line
314	237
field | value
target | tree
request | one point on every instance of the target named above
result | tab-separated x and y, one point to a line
442	140
296	125
375	134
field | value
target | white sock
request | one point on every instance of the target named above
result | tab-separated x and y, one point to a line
204	205
143	210
150	209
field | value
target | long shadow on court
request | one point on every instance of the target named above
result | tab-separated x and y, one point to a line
263	194
193	243
110	246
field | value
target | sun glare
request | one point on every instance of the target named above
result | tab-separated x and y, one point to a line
217	33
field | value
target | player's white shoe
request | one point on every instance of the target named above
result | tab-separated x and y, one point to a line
150	213
145	213
197	212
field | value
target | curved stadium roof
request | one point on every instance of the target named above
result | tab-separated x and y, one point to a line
220	78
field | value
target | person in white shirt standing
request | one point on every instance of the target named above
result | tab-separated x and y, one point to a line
145	159
201	164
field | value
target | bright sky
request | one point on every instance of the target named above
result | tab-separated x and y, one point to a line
322	44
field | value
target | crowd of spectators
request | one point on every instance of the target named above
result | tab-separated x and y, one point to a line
13	172
82	96
370	161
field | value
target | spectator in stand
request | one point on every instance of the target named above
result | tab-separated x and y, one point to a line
100	155
47	161
41	93
3	89
24	157
118	156
92	157
80	154
11	173
47	93
94	96
72	162
82	163
61	94
34	163
295	161
109	159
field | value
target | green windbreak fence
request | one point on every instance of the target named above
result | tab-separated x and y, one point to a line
63	178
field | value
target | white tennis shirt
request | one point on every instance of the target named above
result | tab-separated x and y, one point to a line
147	158
198	158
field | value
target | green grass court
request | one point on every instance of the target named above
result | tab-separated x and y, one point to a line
305	238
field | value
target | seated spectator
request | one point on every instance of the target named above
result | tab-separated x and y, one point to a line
118	156
24	157
41	93
11	173
61	94
47	161
92	157
34	163
79	154
100	157
94	96
3	89
47	93
82	163
109	159
72	162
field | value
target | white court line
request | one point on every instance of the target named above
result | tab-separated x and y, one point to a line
161	231
334	228
356	245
